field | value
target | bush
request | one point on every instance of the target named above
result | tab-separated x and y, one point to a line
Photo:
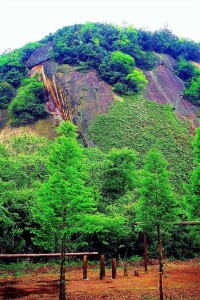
7	92
27	106
120	88
192	92
184	69
136	81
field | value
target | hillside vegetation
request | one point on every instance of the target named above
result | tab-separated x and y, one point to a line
114	52
139	124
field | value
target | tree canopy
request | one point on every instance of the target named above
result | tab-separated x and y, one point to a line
157	204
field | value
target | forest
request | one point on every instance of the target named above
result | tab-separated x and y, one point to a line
105	194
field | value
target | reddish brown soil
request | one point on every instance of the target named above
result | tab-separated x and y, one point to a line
181	281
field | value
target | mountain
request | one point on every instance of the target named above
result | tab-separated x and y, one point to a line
94	69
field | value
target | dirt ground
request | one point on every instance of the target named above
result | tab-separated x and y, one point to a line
181	281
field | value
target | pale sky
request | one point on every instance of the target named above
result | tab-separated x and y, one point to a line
24	21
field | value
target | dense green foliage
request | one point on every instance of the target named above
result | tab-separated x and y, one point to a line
7	92
119	174
72	44
107	186
164	41
112	51
185	69
139	124
90	43
191	76
22	169
13	71
27	106
12	64
64	200
157	205
192	91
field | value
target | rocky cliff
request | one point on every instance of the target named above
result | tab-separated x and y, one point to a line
165	87
80	96
74	95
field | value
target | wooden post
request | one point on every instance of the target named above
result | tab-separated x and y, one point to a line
125	269
102	267
136	273
160	286
62	292
114	264
160	262
85	267
145	252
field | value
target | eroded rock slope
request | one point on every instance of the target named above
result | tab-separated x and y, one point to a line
165	87
74	95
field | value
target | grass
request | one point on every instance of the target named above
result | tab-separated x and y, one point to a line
140	124
45	128
26	266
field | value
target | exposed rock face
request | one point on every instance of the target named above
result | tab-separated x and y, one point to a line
73	95
39	55
165	87
166	60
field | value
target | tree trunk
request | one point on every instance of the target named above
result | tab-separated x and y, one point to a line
102	267
114	272
145	252
160	262
125	269
62	293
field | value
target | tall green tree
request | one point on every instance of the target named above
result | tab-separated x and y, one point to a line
65	203
157	207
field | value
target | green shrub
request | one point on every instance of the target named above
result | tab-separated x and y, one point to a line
27	106
7	92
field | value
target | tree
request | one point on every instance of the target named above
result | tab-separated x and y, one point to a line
7	92
184	69
136	81
157	207
119	175
121	62
65	203
192	93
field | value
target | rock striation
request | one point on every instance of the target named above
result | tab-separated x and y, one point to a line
165	87
73	95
